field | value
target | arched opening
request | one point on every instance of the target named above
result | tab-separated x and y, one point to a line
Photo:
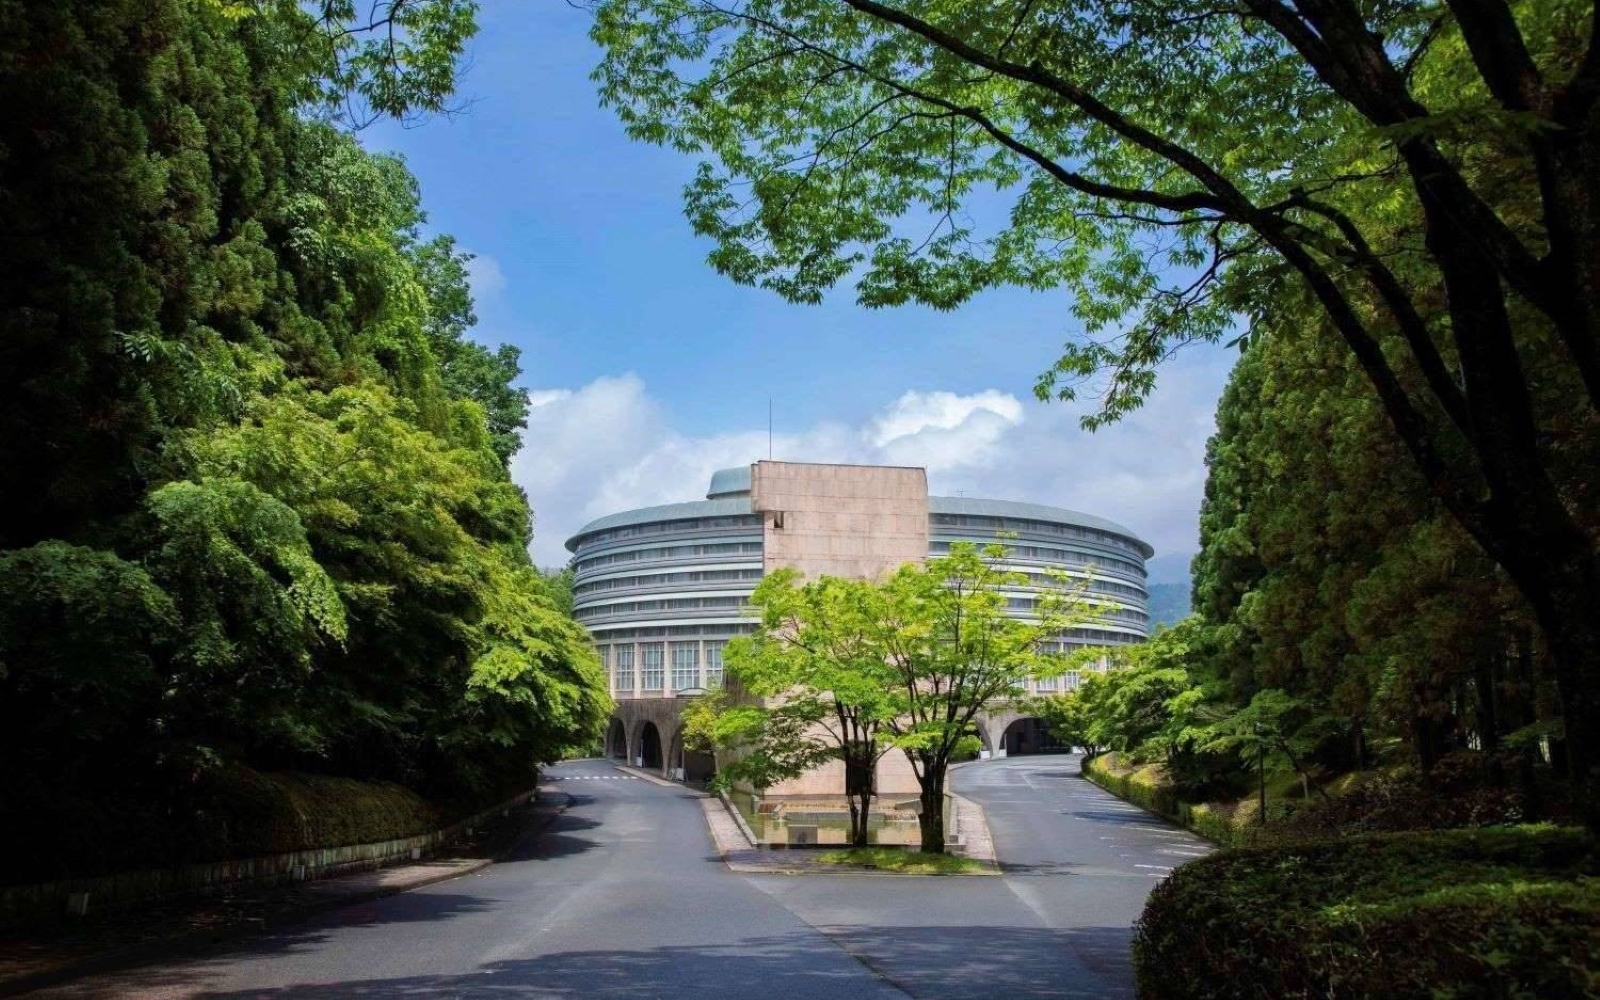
616	740
647	748
1029	735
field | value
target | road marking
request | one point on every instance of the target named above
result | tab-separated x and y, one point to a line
593	777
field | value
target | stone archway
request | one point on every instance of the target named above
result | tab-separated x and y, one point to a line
647	747
616	740
1030	735
697	767
983	734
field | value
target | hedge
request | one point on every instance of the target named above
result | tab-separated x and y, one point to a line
1502	912
254	813
1145	788
232	812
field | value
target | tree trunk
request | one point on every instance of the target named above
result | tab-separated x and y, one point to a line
1488	723
858	789
930	820
1570	619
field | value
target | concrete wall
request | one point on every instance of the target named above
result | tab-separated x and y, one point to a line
849	521
22	904
840	520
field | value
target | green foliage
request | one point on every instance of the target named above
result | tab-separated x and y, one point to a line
763	744
247	814
259	514
1148	787
1501	912
1377	197
849	669
951	648
816	670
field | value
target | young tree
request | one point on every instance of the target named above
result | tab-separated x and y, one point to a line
1424	173
953	646
817	666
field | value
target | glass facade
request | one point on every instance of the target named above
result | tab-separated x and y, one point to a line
651	664
714	664
685	665
623	671
662	589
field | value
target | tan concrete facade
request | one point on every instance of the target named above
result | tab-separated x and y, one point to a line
850	521
840	520
663	589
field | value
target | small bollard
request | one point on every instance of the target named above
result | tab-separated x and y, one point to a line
416	854
299	873
77	904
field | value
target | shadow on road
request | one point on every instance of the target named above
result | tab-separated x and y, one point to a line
561	839
936	963
949	963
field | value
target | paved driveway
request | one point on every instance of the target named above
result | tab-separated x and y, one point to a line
624	898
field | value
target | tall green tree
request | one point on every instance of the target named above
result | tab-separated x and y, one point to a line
952	646
817	671
259	513
1423	173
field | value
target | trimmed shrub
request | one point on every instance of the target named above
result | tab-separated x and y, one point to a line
1502	912
249	813
228	813
1146	787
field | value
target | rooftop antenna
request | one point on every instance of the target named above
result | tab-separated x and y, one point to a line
769	428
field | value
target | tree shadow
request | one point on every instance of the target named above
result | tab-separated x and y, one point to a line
943	962
1116	817
304	932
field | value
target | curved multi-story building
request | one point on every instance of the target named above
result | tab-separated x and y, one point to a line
662	589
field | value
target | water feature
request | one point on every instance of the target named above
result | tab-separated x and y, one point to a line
824	820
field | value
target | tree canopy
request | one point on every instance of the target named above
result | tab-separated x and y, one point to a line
258	507
848	669
1421	175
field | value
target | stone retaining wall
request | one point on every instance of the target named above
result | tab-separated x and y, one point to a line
25	904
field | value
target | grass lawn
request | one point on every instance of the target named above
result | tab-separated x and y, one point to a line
893	859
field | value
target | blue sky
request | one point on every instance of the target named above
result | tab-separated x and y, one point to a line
649	370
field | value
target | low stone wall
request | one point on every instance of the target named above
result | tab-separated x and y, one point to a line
27	904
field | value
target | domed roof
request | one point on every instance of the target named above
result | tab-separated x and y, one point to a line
734	482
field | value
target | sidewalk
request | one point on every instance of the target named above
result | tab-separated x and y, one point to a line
33	961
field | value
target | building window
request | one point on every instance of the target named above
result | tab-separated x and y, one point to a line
714	664
650	668
685	665
623	671
1047	684
1073	679
605	665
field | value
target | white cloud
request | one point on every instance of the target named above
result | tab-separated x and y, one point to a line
916	412
484	275
606	447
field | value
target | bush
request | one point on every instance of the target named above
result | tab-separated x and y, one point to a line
1146	787
229	812
1505	912
248	813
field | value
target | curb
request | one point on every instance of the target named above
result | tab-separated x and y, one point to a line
969	808
182	945
744	827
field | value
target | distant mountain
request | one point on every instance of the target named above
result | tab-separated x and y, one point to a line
1169	602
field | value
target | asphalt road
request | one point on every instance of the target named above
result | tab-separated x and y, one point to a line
624	897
